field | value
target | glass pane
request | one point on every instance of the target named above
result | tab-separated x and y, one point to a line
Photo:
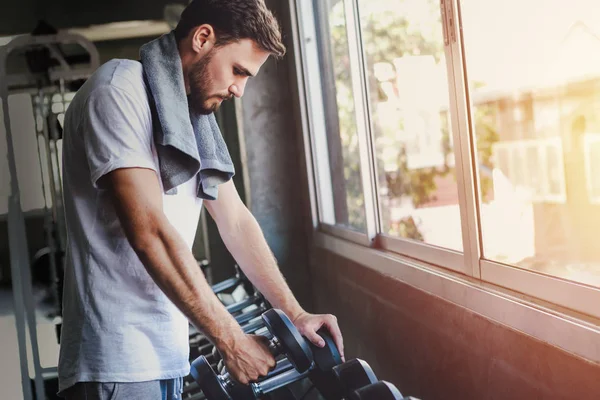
533	173
408	87
593	171
555	172
340	118
538	77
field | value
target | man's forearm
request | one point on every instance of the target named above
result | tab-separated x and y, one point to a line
248	246
172	266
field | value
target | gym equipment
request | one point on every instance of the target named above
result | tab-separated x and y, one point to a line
238	279
286	340
249	322
353	375
247	302
52	72
322	376
221	387
381	390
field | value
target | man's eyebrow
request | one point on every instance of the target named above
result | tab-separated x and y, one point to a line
244	70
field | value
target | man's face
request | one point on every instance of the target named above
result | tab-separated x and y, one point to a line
222	73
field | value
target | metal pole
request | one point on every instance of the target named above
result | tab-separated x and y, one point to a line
19	254
17	247
42	113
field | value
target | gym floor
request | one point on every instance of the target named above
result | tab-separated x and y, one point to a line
10	374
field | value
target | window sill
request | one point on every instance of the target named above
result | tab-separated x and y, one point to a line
575	333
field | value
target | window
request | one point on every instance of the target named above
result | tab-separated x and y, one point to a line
32	149
542	215
338	159
531	167
591	149
408	93
476	143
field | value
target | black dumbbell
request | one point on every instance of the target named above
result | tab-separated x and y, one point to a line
286	340
256	327
238	279
381	390
203	350
256	299
326	358
284	374
245	318
353	375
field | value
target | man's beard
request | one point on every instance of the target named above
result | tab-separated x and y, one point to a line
199	84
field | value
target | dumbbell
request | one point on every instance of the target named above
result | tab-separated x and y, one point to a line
198	339
238	279
257	327
381	390
286	340
326	358
353	375
284	374
256	299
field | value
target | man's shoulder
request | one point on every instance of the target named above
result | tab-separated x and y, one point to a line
117	74
114	79
125	75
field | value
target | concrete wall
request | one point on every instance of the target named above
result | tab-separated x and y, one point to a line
435	350
278	197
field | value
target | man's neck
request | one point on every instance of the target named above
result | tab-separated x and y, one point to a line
184	68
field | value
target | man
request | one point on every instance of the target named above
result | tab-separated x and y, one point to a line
131	281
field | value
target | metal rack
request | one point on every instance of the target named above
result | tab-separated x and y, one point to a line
35	83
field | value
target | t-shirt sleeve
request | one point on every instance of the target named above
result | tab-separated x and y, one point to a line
117	132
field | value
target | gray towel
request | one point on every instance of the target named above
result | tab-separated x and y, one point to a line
187	143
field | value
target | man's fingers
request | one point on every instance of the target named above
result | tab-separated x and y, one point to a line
315	338
336	334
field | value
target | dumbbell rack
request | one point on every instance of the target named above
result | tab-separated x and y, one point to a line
333	379
24	82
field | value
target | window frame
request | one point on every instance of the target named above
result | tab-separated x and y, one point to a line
471	262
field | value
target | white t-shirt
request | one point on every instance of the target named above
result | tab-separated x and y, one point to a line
118	325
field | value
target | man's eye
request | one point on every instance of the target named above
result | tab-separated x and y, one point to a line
237	71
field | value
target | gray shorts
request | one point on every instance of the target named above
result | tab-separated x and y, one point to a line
169	389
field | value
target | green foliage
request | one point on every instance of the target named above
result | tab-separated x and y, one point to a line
390	30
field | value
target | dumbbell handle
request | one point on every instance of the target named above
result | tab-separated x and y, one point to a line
282	366
282	375
253	326
226	284
248	316
278	381
239	306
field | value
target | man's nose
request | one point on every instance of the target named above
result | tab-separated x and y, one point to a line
237	89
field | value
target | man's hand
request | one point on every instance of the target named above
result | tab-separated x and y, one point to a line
309	324
248	359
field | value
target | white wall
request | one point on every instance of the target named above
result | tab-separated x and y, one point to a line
26	155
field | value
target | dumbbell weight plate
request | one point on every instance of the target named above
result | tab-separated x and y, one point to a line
381	390
209	381
326	358
354	374
294	345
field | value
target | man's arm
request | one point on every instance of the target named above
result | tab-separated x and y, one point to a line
137	198
245	240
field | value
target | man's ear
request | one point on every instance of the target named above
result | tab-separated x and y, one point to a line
203	38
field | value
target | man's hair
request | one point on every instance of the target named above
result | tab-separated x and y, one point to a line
234	20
